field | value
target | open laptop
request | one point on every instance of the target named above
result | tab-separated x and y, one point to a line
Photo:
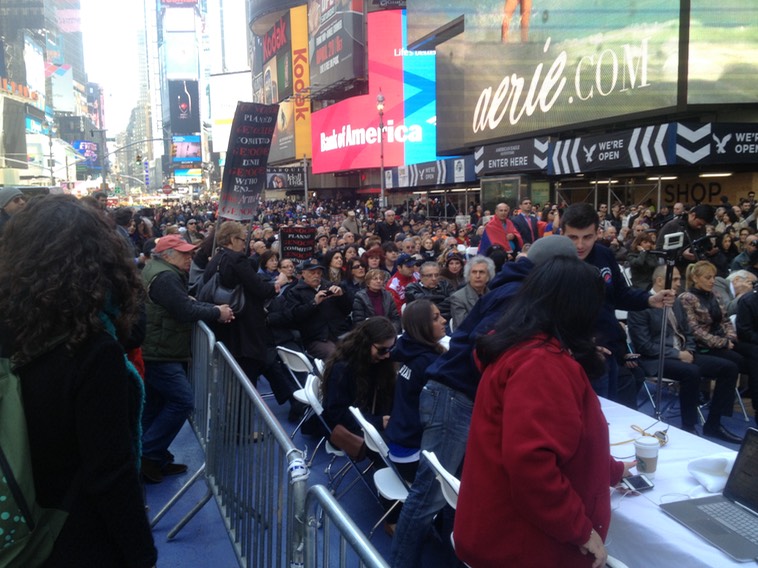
729	521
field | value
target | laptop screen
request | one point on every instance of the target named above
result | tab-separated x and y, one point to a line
742	485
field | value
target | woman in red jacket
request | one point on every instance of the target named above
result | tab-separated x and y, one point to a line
536	478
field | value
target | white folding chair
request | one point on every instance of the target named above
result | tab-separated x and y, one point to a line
389	483
450	484
296	362
312	392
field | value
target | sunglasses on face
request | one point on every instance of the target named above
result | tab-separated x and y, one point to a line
382	351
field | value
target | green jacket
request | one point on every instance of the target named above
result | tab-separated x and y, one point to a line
170	313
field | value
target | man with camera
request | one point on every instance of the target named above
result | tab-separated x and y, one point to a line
697	244
318	309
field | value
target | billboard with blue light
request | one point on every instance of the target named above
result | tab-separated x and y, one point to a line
346	134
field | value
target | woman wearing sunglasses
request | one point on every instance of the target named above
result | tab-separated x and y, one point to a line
360	373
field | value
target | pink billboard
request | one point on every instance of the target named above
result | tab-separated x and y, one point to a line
346	135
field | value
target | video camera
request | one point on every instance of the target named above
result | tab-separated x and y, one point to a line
702	246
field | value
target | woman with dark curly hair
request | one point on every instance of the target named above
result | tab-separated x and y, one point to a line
360	373
63	310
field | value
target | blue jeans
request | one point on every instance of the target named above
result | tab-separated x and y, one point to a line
446	417
168	403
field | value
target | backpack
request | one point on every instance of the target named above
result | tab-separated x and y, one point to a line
27	531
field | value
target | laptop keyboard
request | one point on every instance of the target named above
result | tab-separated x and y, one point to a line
733	518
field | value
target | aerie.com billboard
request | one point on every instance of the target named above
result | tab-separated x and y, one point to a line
571	62
346	135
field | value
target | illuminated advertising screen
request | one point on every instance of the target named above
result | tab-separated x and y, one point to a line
723	57
184	176
226	90
335	40
346	134
184	108
277	61
89	151
292	137
565	62
181	55
186	149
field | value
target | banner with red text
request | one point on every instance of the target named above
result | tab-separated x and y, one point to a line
246	160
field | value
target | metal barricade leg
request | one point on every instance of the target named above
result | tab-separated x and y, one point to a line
179	494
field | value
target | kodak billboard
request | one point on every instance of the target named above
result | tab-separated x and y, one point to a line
287	81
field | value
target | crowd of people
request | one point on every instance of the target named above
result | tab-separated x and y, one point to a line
412	317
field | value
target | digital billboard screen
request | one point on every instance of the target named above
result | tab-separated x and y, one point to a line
569	62
277	61
186	149
336	41
181	55
184	108
723	52
89	151
346	134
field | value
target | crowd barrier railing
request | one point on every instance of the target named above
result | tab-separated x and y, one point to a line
349	547
258	477
200	373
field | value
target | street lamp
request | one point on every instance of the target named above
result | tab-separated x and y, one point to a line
51	129
380	110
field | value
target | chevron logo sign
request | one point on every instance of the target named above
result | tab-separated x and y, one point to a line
693	144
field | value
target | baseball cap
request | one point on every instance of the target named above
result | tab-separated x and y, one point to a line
405	259
547	247
175	242
310	264
7	194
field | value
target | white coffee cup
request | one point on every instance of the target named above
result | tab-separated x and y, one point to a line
646	450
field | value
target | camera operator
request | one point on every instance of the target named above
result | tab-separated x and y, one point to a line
696	242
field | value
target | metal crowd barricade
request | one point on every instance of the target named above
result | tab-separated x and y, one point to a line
201	372
258	477
256	474
345	546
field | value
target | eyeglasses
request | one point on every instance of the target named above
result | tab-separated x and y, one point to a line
433	275
752	243
192	223
357	267
238	239
382	351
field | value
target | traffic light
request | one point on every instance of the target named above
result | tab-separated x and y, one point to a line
139	158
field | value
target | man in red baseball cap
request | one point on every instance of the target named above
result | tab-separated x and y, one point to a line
166	351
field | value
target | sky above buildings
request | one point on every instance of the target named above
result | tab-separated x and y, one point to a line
111	56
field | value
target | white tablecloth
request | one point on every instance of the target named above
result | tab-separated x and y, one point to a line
641	534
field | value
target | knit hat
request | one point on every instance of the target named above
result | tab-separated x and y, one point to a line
7	194
549	247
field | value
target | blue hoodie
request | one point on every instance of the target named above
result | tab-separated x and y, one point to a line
456	369
404	428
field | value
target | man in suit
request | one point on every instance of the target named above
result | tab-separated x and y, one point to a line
526	222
